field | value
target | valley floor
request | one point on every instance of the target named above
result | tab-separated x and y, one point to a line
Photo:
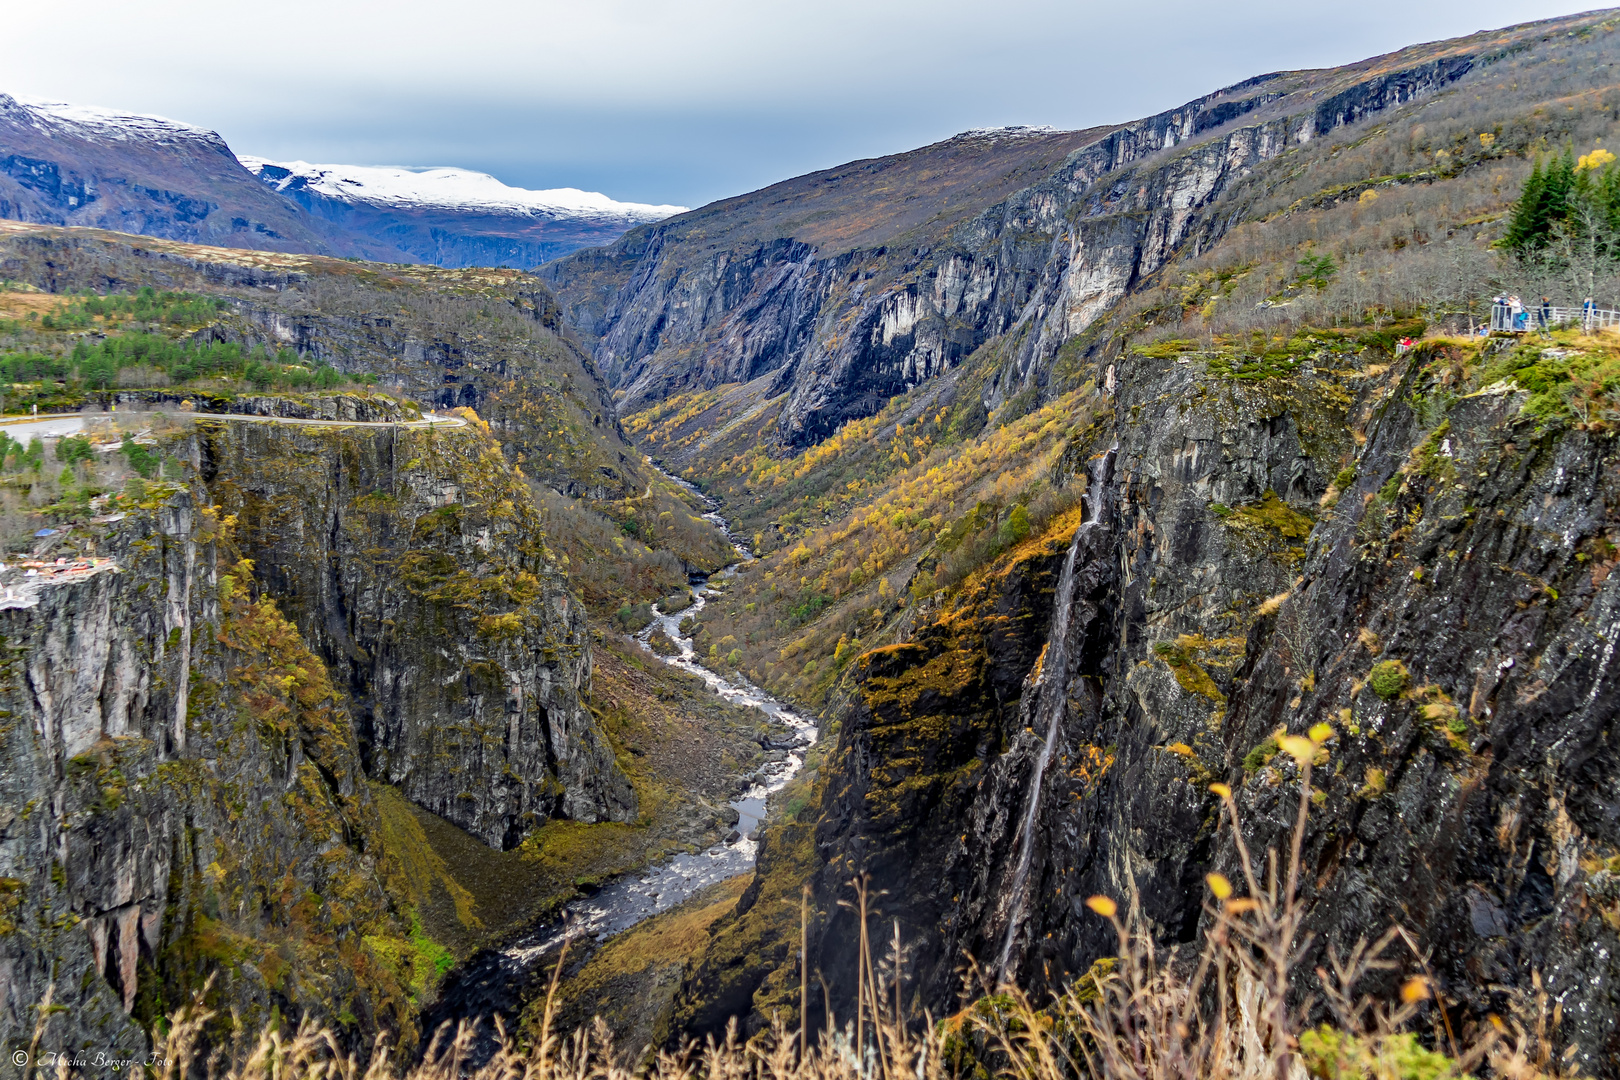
687	752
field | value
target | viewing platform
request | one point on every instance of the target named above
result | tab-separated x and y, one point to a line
1508	318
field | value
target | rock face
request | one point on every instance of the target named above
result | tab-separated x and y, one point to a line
411	560
185	790
488	340
182	787
690	303
360	407
1444	600
1383	543
913	743
505	360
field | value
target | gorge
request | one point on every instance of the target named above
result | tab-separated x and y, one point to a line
1025	492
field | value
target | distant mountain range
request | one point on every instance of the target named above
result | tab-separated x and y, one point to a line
455	217
68	164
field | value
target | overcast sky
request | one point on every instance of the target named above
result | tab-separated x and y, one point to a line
675	102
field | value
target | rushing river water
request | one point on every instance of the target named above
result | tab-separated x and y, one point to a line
496	981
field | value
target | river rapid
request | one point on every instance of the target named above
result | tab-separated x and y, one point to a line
497	981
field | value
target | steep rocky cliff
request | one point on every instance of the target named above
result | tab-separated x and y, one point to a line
202	695
844	305
1402	551
412	561
753	286
1449	613
183	797
485	340
1284	523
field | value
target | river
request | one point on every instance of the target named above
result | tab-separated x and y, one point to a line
497	981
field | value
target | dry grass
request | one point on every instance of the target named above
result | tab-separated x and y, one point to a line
1234	1011
20	305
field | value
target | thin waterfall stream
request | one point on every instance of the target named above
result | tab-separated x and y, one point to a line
1051	700
1050	704
494	981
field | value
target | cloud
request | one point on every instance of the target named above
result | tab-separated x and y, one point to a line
677	101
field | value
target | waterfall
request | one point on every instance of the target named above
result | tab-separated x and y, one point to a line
1051	690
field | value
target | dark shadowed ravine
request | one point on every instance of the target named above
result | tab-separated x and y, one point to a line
495	982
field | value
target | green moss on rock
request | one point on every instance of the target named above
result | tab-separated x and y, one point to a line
1389	679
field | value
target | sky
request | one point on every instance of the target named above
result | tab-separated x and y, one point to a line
676	101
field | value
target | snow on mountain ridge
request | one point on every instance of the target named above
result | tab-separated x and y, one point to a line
445	189
1008	131
90	121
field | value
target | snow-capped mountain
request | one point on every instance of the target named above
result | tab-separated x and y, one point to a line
446	189
71	164
454	217
76	165
88	121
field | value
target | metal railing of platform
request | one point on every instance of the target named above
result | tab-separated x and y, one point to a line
1505	319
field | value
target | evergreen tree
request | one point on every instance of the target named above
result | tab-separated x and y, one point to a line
1523	225
1561	183
1601	179
1550	194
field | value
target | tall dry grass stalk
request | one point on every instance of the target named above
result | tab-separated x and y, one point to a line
1237	1011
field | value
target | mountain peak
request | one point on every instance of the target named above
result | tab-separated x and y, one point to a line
94	122
446	189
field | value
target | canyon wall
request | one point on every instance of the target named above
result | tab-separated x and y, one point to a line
1386	546
183	795
198	700
841	331
412	560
